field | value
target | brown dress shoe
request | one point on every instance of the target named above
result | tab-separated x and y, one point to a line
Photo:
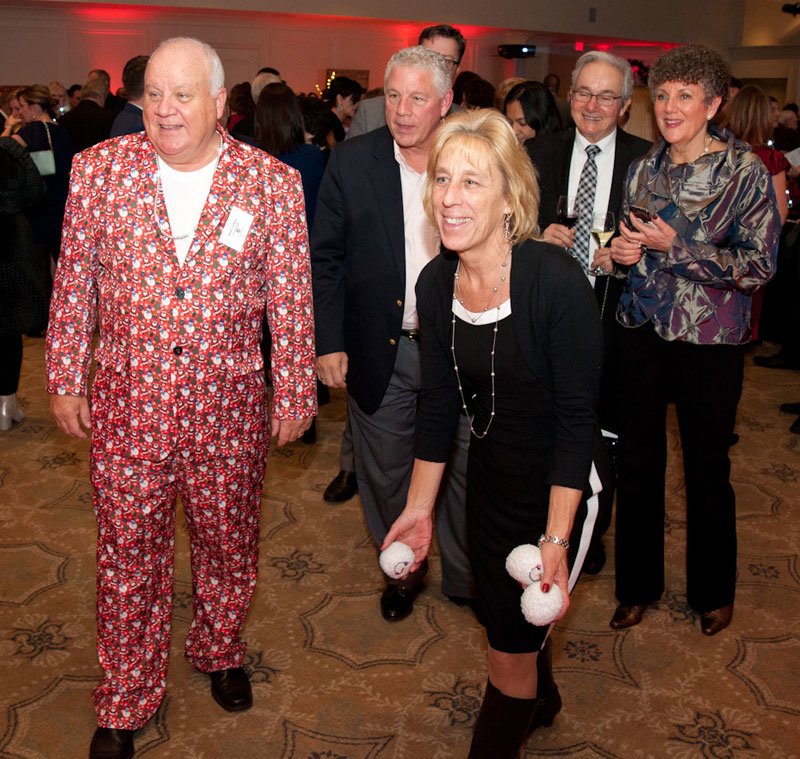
713	621
627	616
110	743
231	689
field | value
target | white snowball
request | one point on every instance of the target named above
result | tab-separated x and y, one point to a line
541	608
524	564
396	560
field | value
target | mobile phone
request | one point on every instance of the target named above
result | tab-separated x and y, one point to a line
642	214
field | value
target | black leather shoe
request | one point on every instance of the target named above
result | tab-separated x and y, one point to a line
795	426
595	560
627	616
310	435
231	689
110	743
714	621
397	602
777	361
790	408
342	488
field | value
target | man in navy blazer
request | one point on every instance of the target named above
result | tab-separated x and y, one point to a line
130	120
370	241
602	86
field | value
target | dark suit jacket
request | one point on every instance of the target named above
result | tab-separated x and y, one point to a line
358	263
128	121
552	155
87	124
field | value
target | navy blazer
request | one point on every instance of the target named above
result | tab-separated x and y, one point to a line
358	263
128	121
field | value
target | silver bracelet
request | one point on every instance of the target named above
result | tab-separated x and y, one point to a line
555	540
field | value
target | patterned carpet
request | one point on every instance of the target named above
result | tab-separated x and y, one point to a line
332	680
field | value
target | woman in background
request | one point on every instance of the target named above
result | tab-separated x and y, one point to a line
40	132
279	130
24	290
342	97
531	110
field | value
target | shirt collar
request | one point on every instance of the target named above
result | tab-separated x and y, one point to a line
604	144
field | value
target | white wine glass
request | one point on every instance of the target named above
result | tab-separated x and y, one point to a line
603	227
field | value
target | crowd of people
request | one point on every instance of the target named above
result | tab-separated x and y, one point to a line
509	285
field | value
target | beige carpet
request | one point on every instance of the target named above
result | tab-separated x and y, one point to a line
332	680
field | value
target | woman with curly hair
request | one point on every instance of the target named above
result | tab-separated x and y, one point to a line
700	237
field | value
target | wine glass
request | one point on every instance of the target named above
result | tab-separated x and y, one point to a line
603	226
567	211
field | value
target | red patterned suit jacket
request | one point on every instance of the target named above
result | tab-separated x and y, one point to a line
178	352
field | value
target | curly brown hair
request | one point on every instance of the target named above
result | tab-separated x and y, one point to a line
692	64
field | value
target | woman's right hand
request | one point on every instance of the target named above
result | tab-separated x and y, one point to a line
624	251
415	529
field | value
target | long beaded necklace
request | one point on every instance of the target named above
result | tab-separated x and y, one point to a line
504	265
161	225
501	279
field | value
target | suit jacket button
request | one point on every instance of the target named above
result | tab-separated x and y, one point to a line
399	303
177	350
179	293
392	341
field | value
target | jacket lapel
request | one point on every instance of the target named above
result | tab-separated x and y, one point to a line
384	174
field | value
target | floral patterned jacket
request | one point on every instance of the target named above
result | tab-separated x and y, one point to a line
723	209
177	344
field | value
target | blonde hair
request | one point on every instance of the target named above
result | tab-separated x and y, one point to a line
484	133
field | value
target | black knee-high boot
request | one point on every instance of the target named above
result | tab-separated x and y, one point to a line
548	699
502	725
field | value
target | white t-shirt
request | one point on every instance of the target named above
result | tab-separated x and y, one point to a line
185	194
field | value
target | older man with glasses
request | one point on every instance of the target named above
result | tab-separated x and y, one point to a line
590	161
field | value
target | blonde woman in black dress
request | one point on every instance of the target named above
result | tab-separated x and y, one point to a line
510	334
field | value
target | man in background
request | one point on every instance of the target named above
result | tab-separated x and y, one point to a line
129	120
90	122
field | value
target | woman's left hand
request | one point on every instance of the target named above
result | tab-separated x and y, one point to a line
653	235
556	572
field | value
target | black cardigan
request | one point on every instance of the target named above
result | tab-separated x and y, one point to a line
557	323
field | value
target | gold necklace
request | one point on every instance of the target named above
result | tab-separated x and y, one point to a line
709	143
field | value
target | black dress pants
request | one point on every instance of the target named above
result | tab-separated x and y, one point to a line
705	383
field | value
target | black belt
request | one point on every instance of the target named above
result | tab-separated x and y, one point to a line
411	334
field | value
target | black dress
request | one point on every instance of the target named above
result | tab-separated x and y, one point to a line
507	490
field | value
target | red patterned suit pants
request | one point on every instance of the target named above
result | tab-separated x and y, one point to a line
134	504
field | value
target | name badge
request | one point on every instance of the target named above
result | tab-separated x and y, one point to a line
236	228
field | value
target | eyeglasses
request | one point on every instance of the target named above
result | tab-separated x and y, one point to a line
604	99
452	62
